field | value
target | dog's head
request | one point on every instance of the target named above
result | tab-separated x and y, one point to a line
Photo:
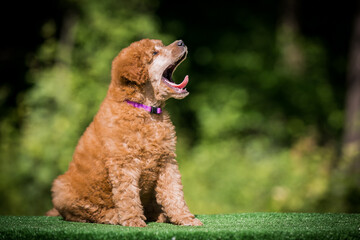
147	66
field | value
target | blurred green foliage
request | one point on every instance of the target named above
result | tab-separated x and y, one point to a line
258	147
257	133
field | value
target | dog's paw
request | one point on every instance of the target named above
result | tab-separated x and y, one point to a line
135	222
162	218
188	222
110	217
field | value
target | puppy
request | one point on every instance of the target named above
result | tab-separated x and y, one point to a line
124	169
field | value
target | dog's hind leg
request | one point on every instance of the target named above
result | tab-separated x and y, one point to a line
72	207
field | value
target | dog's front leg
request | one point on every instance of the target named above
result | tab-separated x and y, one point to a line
124	177
169	194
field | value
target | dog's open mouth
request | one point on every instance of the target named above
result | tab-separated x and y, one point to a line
167	77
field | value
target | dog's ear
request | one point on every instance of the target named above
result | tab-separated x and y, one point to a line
131	65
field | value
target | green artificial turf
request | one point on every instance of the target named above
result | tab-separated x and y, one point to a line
229	226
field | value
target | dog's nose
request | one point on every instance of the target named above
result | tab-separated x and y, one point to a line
181	43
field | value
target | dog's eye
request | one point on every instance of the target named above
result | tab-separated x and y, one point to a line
155	52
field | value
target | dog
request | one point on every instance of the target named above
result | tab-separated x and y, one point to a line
124	169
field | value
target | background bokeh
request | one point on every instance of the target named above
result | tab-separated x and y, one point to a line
266	124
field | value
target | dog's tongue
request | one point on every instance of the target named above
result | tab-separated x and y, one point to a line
180	85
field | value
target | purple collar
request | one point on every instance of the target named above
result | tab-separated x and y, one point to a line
147	108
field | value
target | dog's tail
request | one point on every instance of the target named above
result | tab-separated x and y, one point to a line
52	213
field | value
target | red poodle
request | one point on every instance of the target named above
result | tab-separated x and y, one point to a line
124	169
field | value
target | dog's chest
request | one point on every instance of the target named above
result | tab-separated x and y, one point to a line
158	141
157	137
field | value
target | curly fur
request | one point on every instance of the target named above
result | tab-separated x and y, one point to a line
124	169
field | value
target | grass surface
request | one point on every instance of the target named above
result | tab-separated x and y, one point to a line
230	226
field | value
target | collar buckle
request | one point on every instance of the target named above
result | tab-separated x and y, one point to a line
154	110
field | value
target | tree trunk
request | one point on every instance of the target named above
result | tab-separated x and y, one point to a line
67	38
349	163
292	57
351	138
